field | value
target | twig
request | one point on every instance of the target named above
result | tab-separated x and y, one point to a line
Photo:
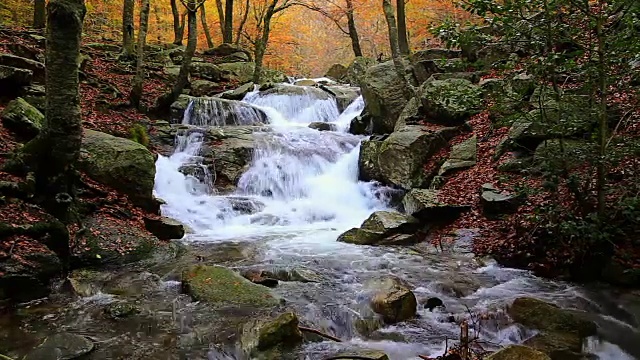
318	332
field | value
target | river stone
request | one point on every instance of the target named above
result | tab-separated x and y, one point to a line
389	222
239	93
292	90
322	126
11	79
450	102
424	205
362	354
164	228
393	300
36	67
518	352
221	287
359	236
298	274
262	335
22	118
543	316
462	156
120	163
336	72
368	166
61	346
559	346
245	206
344	95
384	94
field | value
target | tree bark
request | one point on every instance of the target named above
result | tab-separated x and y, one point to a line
205	27
228	22
261	43
39	14
221	17
136	90
245	15
127	28
177	28
403	41
410	90
353	31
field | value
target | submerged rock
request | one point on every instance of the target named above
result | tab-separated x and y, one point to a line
222	287
262	335
322	126
61	346
518	352
22	118
543	316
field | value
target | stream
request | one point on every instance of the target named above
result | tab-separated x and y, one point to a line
305	185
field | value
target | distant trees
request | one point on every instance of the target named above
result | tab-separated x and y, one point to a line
337	12
179	22
136	90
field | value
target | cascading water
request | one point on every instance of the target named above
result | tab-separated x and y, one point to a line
303	187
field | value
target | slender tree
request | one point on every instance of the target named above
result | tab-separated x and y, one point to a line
243	21
39	14
353	30
410	90
264	29
228	22
221	18
205	27
403	40
178	28
127	28
136	90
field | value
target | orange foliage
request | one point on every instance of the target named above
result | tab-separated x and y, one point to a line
302	42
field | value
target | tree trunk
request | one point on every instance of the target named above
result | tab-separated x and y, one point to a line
136	90
205	27
183	24
39	14
261	44
602	112
353	31
410	90
245	15
228	22
221	17
403	41
177	28
127	28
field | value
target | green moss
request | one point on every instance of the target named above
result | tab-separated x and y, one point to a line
138	133
548	317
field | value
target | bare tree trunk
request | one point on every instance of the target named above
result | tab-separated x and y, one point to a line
39	14
177	29
245	15
403	41
261	44
136	90
410	90
127	28
353	31
228	22
183	24
221	17
205	27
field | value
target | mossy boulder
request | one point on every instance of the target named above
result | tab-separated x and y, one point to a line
336	72
450	101
423	204
11	79
22	118
384	94
262	335
206	71
518	352
61	346
383	228
357	69
368	166
241	72
203	87
543	316
462	156
222	287
120	163
239	93
558	346
164	228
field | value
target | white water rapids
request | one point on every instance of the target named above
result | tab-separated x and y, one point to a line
306	184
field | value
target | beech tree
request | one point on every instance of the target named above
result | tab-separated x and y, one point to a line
178	23
127	28
136	90
228	22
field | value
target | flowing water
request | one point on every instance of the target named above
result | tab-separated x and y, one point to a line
304	186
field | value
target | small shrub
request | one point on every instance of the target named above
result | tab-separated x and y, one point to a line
138	133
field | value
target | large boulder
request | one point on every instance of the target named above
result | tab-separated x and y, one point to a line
231	155
462	156
11	79
392	299
22	118
164	228
240	72
495	202
37	68
239	93
518	352
336	72
423	204
61	346
540	315
557	346
272	335
120	163
203	88
398	160
206	71
357	69
383	228
451	101
226	49
384	94
221	287
344	95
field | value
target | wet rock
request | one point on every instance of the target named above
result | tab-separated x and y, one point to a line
543	316
267	335
344	95
305	82
450	102
164	228
245	206
360	236
133	173
368	166
207	71
424	205
383	92
462	156
322	126
36	67
383	228
292	90
336	72
11	79
363	354
393	300
86	282
121	310
518	352
259	277
495	203
28	280
203	87
298	274
214	111
239	93
433	303
558	346
61	346
22	118
221	287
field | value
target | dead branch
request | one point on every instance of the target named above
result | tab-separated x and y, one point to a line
319	333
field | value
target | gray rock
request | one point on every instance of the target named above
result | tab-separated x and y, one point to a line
305	82
203	88
164	228
322	126
518	352
495	203
357	69
11	79
540	315
384	94
268	334
61	346
383	228
393	300
22	118
363	354
37	68
226	50
246	206
336	72
424	205
344	95
239	93
462	156
206	71
451	101
240	72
